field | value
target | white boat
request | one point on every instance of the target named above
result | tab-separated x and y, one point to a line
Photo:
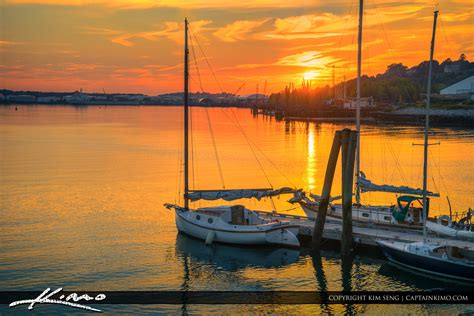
234	225
219	224
407	214
227	224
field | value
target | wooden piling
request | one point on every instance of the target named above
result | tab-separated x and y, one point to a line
349	146
326	193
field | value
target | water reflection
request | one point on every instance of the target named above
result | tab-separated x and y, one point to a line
420	280
232	258
311	165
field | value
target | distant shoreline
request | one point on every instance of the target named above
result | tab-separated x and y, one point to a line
458	118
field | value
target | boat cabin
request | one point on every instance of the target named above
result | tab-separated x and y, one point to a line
442	251
409	209
234	215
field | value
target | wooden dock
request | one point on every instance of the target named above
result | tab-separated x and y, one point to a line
363	235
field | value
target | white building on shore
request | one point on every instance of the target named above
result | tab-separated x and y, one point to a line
351	103
465	86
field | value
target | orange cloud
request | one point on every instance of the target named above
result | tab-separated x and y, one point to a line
9	43
143	4
238	30
307	59
171	30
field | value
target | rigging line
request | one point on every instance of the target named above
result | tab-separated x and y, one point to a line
193	164
367	49
443	183
196	63
180	166
215	148
251	148
443	27
345	27
397	163
205	58
411	169
239	127
383	29
271	162
273	204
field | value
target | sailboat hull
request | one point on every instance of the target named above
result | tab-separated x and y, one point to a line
212	229
374	215
397	253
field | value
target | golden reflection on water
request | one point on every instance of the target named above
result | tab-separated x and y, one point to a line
82	190
311	169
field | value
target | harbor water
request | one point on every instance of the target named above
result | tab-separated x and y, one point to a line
82	193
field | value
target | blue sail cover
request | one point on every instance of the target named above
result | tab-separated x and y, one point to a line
366	185
230	195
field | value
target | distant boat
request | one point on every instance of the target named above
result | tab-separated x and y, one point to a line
227	224
445	260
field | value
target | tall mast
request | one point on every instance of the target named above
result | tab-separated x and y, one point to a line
359	65
186	97
427	127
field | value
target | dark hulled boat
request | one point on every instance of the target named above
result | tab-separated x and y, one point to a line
442	260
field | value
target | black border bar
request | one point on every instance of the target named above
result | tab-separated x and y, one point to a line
249	297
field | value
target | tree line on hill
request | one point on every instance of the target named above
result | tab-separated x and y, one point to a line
398	85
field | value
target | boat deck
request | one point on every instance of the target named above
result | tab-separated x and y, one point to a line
363	235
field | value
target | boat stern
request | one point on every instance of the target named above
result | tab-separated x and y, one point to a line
283	237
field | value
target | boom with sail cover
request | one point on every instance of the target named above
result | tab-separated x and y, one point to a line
366	185
230	195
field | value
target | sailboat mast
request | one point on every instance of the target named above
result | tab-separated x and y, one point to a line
359	65
186	132
427	128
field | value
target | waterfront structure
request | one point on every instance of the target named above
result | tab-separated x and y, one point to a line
465	87
48	99
21	98
351	103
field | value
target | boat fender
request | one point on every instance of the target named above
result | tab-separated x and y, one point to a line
444	218
210	237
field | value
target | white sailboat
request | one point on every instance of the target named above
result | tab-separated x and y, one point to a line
227	224
438	259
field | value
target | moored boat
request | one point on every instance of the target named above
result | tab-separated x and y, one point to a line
441	260
445	259
227	224
234	225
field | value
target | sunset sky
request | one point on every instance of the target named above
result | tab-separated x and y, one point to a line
137	46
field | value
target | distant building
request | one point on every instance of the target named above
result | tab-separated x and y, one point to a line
465	86
452	68
351	103
78	98
49	99
21	98
250	97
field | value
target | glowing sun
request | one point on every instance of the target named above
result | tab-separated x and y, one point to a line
310	75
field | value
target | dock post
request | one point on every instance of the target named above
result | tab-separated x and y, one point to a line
349	145
324	202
